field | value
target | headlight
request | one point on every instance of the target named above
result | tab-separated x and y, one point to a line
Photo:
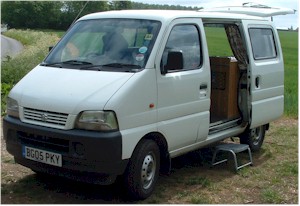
97	120
12	107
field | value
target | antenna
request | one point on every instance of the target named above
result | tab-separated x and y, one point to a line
80	12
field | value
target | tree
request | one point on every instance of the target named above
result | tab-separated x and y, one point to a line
61	14
119	5
71	10
29	14
137	5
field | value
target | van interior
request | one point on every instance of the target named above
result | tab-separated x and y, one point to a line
228	77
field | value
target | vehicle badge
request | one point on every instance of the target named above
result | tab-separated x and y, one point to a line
44	117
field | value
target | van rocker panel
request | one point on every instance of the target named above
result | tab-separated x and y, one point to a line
97	153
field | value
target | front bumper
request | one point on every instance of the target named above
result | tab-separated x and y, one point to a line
87	156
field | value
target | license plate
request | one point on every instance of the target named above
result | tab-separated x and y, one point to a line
43	156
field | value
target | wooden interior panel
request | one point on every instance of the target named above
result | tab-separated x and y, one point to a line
224	92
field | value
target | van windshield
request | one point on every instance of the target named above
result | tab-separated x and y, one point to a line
105	44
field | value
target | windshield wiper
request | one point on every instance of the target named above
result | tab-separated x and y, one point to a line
119	66
69	62
92	67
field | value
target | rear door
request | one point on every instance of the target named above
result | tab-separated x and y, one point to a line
266	71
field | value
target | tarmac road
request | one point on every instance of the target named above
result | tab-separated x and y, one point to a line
9	47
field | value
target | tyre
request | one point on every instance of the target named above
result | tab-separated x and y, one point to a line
143	170
254	137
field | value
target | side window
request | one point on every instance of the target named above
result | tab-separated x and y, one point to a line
262	42
183	39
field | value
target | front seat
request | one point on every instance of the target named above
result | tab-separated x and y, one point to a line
115	46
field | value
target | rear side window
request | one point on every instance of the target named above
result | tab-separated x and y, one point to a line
262	42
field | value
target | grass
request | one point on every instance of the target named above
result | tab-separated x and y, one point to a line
289	44
204	182
217	42
58	33
270	195
199	200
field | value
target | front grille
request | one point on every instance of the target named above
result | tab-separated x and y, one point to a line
46	117
44	142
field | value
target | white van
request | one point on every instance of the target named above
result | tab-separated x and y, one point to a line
124	92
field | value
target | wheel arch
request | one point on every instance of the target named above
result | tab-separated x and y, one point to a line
162	144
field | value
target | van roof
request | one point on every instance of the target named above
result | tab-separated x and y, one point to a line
167	15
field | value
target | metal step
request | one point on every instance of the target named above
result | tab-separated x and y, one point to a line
223	125
233	149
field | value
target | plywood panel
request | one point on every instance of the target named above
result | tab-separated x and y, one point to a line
224	83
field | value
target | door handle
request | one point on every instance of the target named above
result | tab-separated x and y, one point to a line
203	86
203	90
257	82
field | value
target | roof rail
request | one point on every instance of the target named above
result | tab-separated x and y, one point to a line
252	9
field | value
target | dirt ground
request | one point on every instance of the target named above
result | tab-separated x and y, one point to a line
272	179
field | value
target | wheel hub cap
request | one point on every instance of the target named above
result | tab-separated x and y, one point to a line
256	135
148	171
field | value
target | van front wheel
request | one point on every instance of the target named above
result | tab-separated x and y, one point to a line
143	170
254	137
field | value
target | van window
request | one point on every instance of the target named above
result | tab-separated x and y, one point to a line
262	42
184	39
106	42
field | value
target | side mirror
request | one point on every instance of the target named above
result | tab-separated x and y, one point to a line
50	48
174	62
